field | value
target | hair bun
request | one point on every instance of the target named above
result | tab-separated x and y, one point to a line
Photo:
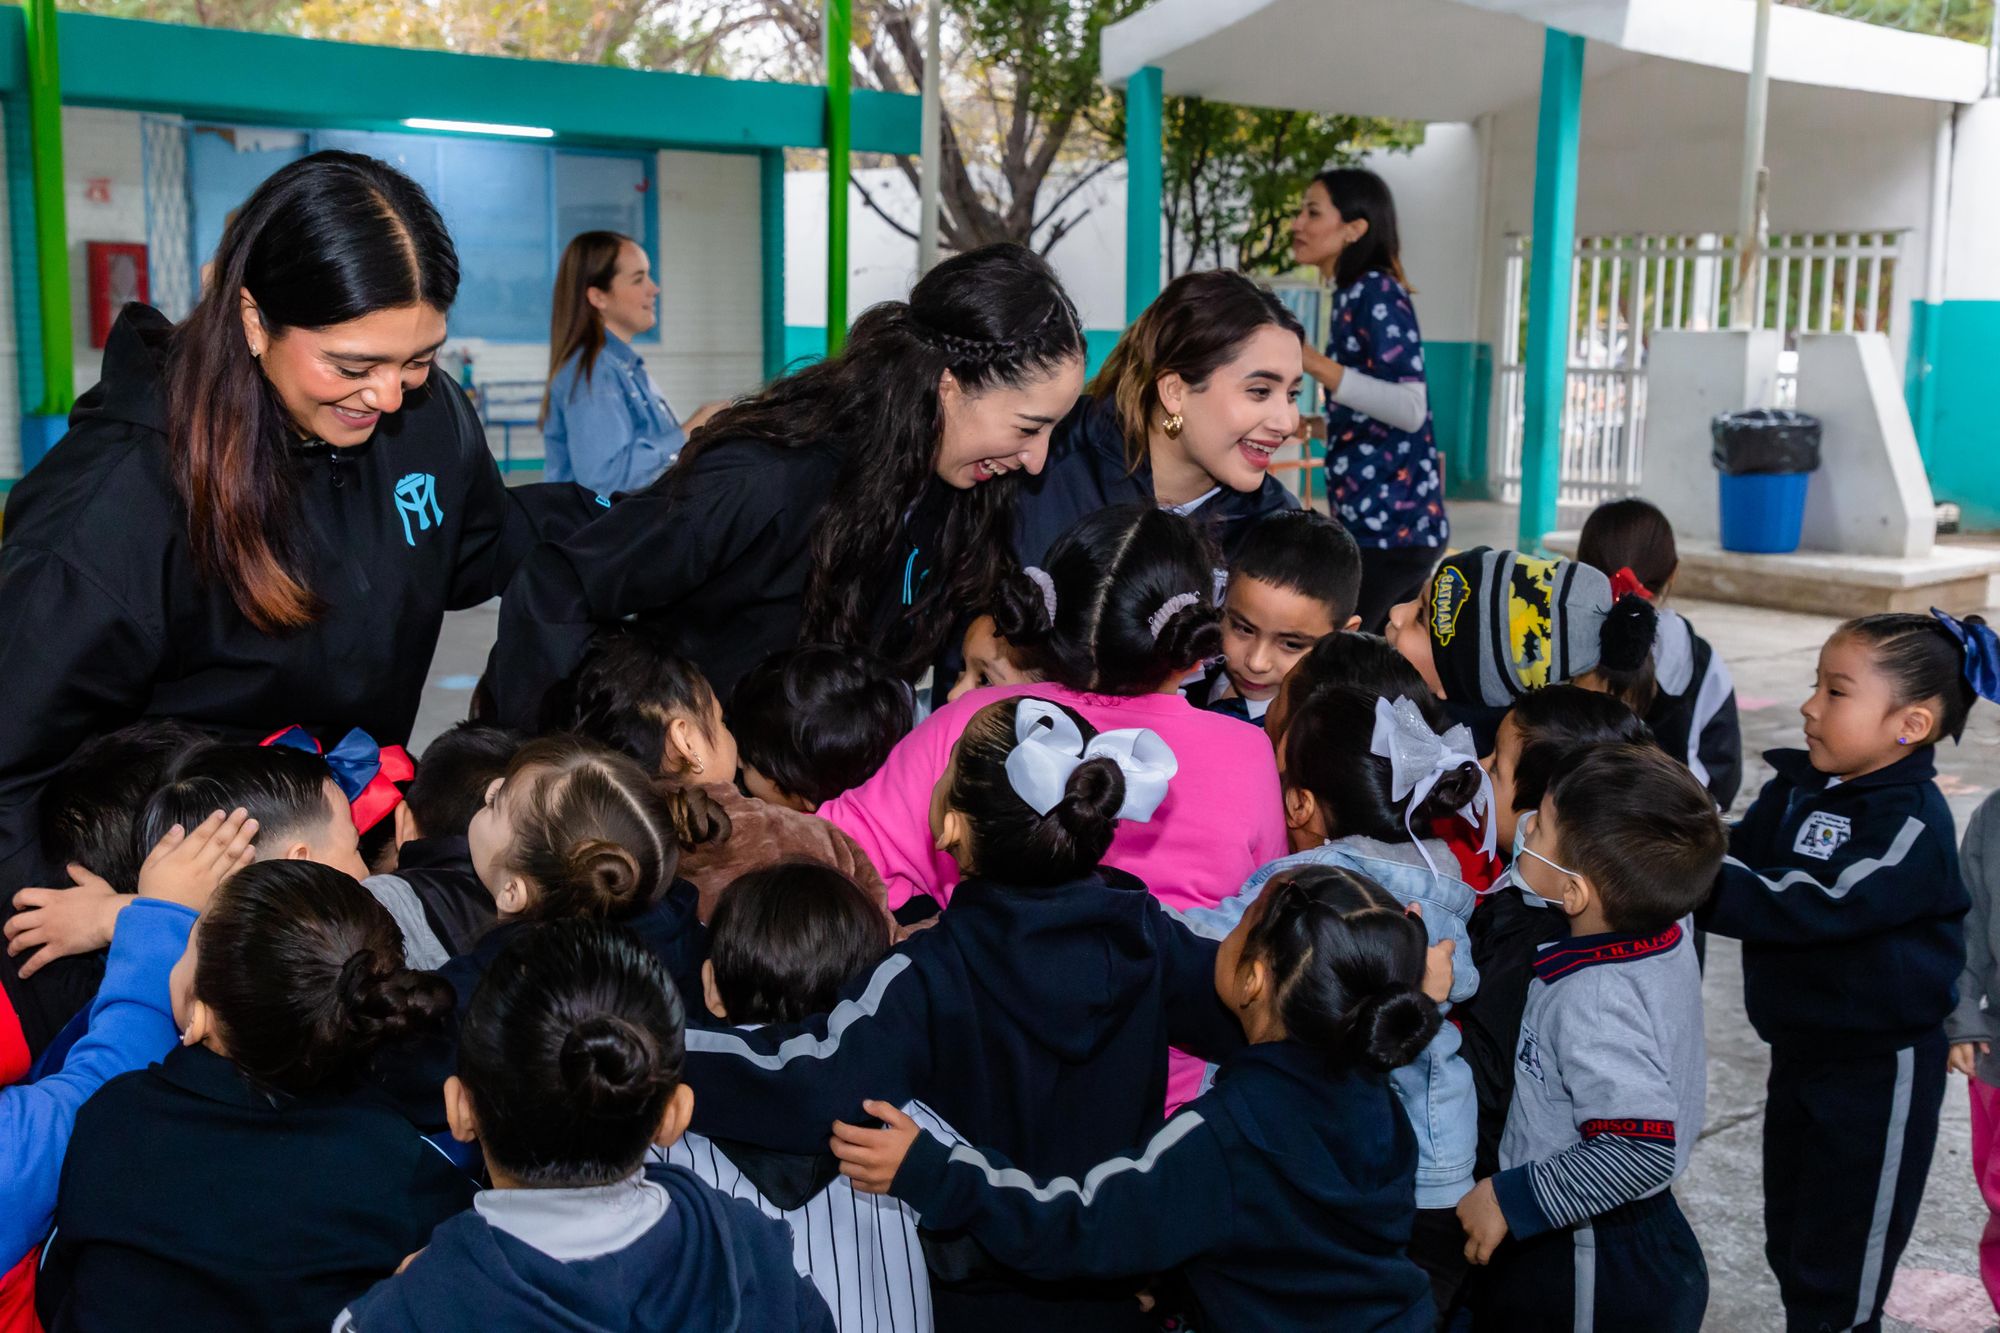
1021	610
1192	634
1088	811
385	1004
1627	636
609	1066
1391	1027
1453	790
698	819
611	873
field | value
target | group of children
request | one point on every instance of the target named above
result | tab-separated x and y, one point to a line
1200	963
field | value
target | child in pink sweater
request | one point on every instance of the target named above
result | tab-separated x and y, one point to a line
1119	617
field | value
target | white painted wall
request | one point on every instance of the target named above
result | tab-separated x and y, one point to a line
1972	259
1437	191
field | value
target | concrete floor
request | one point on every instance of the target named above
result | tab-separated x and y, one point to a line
1771	654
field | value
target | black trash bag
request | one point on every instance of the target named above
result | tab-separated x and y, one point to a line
1765	440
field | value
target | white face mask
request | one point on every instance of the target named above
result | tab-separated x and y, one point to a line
1512	874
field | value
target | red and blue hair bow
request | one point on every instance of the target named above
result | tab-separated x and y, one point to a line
365	772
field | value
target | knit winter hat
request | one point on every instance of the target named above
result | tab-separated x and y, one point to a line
1503	624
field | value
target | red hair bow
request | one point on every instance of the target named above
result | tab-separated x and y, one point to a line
1625	583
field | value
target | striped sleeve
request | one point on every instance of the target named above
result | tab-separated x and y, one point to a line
1617	1162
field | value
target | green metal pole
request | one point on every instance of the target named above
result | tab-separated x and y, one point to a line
839	138
1143	185
1549	312
51	230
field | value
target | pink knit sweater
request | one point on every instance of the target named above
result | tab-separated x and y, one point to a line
1223	817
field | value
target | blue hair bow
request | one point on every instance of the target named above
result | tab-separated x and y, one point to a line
1980	647
365	772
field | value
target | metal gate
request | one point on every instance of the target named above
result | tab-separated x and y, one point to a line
1624	287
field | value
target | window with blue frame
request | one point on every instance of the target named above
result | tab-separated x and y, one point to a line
511	207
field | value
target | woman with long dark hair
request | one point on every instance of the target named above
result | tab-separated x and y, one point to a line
604	424
260	515
1382	468
1185	413
865	500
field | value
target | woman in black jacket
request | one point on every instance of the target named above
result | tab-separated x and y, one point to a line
1185	413
864	500
259	516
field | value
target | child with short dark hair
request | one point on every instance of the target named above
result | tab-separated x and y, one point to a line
292	980
634	693
783	944
569	1071
1540	737
1293	581
1843	875
1693	712
1281	1196
1612	1063
816	721
1035	1015
989	660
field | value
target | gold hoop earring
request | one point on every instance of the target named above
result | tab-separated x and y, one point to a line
1172	425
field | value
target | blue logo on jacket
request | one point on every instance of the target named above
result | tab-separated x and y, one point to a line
416	497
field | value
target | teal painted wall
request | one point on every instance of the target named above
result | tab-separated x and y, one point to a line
806	342
1460	382
1960	434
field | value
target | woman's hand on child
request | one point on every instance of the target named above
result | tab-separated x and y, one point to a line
61	923
871	1157
1485	1225
185	867
1964	1055
1437	970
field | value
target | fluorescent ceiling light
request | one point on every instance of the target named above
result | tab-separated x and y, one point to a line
481	127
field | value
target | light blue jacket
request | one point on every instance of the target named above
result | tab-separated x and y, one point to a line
611	431
1435	1088
131	1026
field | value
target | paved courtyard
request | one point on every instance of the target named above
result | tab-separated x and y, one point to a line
1772	655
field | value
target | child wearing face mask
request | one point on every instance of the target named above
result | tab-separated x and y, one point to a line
1845	873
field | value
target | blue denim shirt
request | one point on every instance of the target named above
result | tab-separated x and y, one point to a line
612	431
1435	1088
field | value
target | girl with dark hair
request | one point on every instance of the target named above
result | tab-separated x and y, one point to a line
1383	473
1843	882
1367	778
292	981
569	1072
859	501
263	512
1693	711
1281	1195
604	424
1035	1015
1185	413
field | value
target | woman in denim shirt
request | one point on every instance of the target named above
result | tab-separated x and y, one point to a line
604	424
1342	808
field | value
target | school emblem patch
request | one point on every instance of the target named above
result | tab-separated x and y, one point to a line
1529	1056
1822	835
1449	594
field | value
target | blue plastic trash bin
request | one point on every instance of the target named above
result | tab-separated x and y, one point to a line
1764	460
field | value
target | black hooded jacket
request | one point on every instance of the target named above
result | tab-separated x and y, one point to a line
108	618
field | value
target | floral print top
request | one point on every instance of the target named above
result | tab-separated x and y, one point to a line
1386	485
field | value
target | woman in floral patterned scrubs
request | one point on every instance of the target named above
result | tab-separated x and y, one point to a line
1382	468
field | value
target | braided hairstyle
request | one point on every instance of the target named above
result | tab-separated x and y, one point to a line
992	317
303	971
1347	962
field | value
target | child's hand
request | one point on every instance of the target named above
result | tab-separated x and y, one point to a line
1437	970
60	923
1964	1055
185	867
1485	1225
871	1157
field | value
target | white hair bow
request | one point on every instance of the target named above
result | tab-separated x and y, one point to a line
1049	747
1418	757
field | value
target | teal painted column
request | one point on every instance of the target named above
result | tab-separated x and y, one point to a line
839	169
43	423
1143	186
771	226
1546	349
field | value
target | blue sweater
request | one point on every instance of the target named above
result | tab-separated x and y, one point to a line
131	1025
1849	905
1285	1195
710	1262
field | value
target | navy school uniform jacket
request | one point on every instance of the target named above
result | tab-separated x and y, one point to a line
1286	1195
1086	472
1694	716
191	1199
391	534
1036	1020
710	1263
1849	904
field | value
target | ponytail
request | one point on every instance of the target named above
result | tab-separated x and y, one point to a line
1625	652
